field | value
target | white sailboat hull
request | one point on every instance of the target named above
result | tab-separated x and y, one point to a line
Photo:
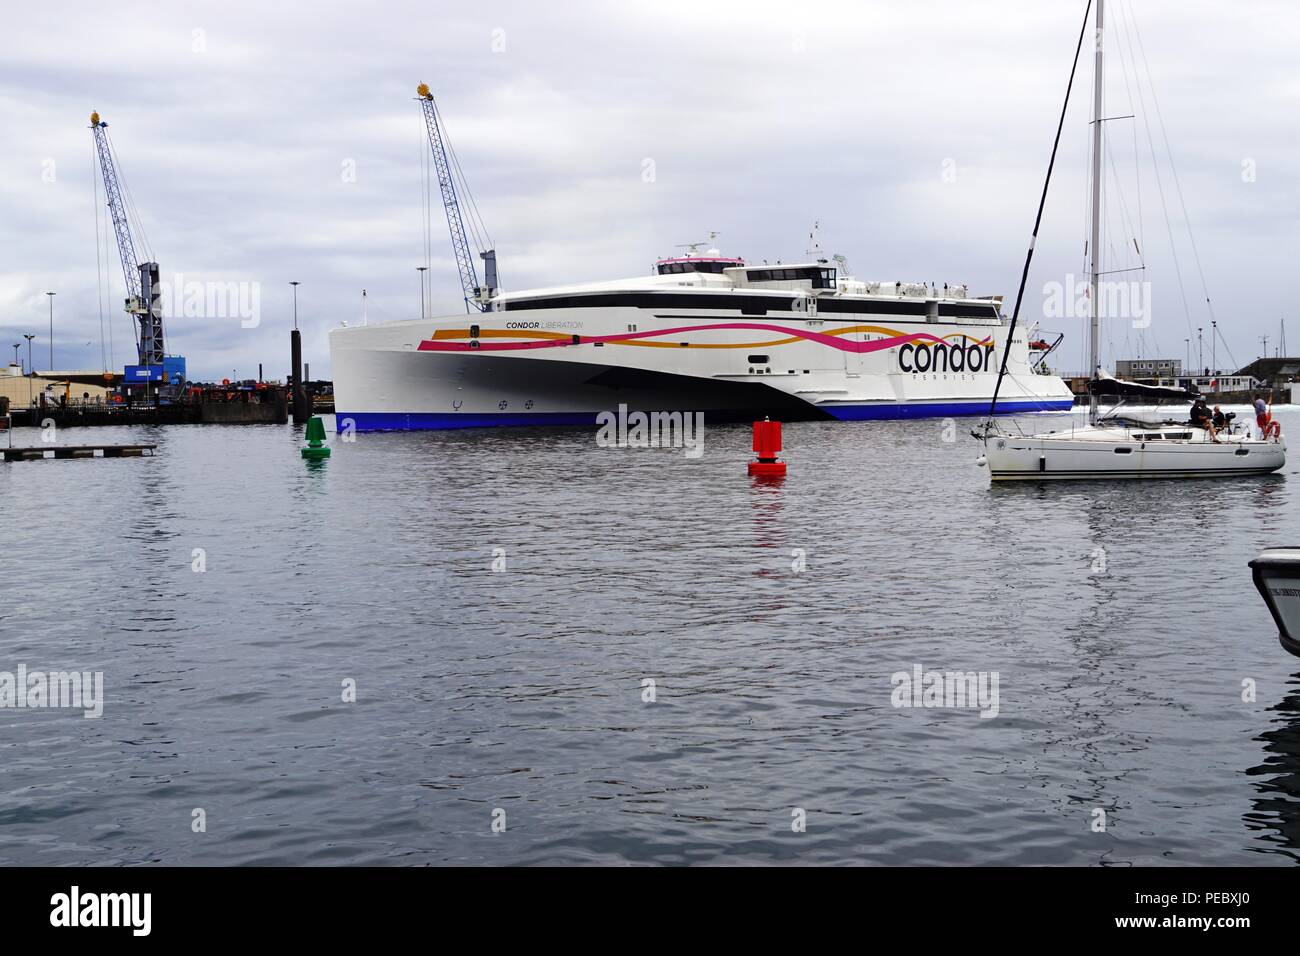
1118	452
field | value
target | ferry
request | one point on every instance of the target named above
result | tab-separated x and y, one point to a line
704	333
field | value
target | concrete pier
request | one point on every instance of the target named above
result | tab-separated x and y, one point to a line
210	406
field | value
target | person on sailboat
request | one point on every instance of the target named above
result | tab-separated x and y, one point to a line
1201	419
1264	417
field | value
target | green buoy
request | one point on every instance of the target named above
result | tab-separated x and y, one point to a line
316	440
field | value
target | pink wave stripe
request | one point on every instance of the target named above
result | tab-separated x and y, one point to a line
834	341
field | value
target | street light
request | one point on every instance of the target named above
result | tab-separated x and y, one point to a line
16	344
51	295
31	372
420	269
1214	345
295	303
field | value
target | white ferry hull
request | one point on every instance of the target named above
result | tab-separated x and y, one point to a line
547	367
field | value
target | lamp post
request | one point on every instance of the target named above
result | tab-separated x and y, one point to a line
51	295
31	372
1200	350
295	303
1214	345
16	344
420	269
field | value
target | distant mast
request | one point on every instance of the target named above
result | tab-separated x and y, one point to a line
1094	277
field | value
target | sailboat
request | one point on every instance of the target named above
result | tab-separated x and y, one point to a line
1121	443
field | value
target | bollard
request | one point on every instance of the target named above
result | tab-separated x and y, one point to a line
299	395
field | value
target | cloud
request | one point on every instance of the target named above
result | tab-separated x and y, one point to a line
237	125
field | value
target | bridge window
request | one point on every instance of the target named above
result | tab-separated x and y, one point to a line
818	277
711	266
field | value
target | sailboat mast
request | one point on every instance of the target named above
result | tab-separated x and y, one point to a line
1094	277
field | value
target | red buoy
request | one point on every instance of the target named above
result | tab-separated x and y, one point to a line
767	443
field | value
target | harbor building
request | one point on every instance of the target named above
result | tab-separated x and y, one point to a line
57	388
1155	369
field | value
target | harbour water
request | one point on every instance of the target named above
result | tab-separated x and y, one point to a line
501	598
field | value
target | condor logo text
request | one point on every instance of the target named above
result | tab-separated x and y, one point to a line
942	357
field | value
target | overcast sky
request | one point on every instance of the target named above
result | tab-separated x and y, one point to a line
269	142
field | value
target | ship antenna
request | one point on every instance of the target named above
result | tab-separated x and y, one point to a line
693	248
814	244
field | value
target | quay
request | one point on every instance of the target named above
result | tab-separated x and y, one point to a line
225	404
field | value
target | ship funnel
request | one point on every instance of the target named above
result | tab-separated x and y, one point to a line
489	272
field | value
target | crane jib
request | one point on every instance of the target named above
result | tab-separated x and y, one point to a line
459	241
117	212
143	288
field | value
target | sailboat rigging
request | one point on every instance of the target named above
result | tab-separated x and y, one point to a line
1120	444
1038	221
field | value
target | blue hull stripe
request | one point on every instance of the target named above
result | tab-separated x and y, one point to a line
859	413
428	421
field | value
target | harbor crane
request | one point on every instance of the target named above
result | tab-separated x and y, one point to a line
143	288
476	296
